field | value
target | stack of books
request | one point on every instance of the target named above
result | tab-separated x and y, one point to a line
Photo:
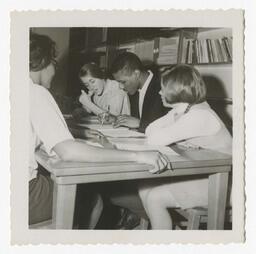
207	50
168	50
143	49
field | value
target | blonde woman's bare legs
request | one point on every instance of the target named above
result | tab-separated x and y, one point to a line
156	201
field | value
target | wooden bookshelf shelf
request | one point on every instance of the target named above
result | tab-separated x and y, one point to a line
200	64
212	64
228	101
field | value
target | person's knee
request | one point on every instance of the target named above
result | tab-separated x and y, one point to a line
154	198
157	198
143	193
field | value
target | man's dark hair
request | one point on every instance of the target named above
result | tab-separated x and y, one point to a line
127	62
41	51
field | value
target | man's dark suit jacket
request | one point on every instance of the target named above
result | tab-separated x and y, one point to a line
152	107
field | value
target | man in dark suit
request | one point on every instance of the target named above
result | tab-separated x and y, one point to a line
143	88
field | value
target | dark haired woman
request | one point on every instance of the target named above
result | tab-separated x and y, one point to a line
104	94
192	123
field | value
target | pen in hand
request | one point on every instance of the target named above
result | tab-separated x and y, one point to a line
104	115
103	118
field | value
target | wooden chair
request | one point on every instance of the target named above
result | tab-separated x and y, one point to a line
197	215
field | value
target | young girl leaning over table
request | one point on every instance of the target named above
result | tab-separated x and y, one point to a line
104	95
191	123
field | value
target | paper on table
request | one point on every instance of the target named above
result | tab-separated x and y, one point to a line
121	133
91	143
100	127
109	131
141	145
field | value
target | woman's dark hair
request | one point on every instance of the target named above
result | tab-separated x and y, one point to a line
92	70
184	83
42	51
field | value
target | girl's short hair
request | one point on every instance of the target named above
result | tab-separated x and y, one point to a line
42	51
184	83
92	70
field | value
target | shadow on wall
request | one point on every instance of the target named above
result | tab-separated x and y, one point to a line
215	87
216	97
59	82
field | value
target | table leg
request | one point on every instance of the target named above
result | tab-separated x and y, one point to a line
63	205
217	197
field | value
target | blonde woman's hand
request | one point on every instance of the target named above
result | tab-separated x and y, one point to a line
155	158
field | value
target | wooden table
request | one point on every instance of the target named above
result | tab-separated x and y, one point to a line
66	176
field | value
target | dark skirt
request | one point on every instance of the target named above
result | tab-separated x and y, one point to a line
40	198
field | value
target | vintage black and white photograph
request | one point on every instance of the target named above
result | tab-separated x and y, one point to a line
130	128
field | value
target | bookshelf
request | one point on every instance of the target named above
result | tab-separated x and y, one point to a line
159	46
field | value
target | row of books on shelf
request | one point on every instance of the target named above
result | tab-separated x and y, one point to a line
165	51
194	51
207	50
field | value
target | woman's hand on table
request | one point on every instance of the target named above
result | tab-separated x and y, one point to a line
155	158
128	121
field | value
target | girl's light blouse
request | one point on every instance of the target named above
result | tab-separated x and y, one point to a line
200	127
113	98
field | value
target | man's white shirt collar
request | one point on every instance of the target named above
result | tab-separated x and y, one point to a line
143	91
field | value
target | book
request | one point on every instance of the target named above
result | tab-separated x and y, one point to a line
227	48
121	133
145	50
140	144
99	127
223	51
214	51
187	50
184	49
209	50
205	58
219	51
168	50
